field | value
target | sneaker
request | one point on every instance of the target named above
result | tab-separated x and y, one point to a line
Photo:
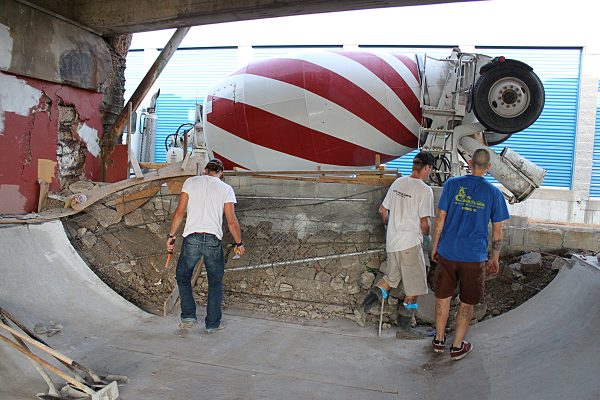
458	354
187	324
439	346
218	328
360	317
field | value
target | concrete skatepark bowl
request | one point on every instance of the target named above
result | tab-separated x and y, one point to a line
545	349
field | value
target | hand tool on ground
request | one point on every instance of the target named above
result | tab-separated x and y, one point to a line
94	386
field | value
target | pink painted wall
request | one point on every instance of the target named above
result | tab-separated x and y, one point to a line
26	138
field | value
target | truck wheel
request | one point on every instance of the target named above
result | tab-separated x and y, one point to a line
507	98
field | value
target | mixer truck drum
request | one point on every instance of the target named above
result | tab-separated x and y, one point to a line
507	98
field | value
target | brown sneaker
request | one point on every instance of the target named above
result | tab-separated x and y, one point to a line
187	324
439	346
460	353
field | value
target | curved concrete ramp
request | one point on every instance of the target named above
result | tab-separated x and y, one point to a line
546	349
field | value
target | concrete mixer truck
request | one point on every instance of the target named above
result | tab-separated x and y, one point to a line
346	109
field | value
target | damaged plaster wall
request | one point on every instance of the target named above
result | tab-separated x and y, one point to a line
44	120
52	75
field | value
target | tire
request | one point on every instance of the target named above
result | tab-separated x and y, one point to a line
508	97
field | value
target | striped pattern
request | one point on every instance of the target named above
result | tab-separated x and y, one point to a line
333	109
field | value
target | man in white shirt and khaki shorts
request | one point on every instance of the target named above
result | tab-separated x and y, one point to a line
406	211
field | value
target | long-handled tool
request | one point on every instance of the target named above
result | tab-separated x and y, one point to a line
94	386
384	296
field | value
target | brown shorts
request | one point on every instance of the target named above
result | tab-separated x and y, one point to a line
470	276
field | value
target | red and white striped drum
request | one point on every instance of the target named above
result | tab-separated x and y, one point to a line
329	109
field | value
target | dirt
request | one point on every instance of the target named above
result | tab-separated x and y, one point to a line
132	262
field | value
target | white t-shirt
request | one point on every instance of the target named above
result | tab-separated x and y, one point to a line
207	198
408	200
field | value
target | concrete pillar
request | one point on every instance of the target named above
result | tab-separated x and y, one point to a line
586	125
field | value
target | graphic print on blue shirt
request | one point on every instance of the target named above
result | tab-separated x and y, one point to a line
470	203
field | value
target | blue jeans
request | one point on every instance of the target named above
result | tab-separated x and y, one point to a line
196	246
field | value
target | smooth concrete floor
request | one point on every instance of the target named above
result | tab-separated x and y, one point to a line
545	349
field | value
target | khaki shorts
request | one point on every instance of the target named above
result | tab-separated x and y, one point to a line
407	266
469	275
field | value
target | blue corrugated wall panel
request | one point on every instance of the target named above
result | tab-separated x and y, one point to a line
550	141
183	83
595	183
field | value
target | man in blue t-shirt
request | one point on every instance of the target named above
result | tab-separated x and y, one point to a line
460	248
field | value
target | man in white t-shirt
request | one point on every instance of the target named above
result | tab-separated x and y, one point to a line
205	198
406	211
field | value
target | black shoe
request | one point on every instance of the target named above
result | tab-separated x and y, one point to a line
372	297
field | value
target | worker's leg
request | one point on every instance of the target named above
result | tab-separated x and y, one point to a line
214	261
463	317
379	290
188	258
446	280
414	280
471	292
442	310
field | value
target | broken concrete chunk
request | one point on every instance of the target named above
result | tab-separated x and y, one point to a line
323	276
513	271
123	267
353	289
366	279
88	239
85	220
531	262
49	329
479	311
135	218
81	232
337	283
111	239
154	227
104	215
284	287
559	263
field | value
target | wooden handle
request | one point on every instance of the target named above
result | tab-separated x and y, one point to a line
37	344
48	366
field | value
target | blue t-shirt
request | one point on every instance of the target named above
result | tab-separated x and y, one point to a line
470	203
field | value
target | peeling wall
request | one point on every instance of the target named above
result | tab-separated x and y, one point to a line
44	120
52	79
38	45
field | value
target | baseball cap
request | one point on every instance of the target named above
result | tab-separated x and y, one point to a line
424	157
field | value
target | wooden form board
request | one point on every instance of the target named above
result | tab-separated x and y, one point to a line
173	299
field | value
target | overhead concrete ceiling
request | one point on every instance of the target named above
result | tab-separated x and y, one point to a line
114	17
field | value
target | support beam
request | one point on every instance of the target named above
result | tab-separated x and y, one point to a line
116	17
142	90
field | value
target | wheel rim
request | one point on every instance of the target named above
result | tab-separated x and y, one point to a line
509	97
